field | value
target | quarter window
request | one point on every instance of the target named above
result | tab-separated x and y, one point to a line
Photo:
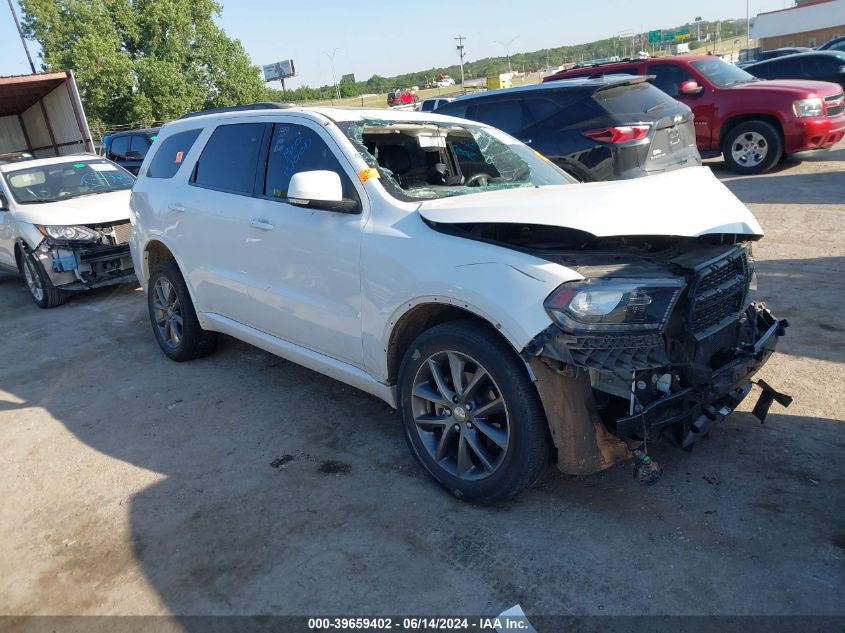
507	115
119	148
294	149
170	154
138	148
230	157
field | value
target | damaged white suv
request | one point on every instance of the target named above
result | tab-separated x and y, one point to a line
64	225
514	316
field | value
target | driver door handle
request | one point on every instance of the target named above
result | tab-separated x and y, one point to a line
176	207
262	225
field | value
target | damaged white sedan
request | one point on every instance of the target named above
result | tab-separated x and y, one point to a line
514	316
64	225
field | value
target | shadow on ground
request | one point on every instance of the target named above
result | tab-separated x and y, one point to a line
286	492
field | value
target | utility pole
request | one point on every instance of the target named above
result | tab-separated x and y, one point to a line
747	27
460	47
507	46
334	76
20	32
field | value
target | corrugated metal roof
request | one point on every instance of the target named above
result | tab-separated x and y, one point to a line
799	19
19	92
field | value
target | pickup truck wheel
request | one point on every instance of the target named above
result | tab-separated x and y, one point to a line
41	289
752	147
472	417
173	317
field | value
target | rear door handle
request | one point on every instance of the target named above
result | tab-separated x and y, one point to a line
176	207
262	225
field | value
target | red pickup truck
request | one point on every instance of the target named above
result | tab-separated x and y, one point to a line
753	123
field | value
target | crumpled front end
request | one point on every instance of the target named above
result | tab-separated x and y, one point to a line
676	378
94	256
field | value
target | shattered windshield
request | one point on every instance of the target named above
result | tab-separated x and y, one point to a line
61	181
421	160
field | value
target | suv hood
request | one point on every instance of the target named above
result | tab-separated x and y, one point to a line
801	88
93	209
687	202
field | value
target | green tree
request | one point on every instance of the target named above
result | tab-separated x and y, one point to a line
143	60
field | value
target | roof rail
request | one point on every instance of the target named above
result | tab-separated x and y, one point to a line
266	105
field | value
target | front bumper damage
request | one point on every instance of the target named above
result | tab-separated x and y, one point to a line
605	395
74	265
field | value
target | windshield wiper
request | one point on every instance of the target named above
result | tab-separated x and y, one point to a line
656	107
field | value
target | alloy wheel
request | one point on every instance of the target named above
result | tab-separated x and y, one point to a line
460	415
167	312
33	279
749	149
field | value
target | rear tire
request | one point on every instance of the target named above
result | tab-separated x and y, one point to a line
486	440
752	147
173	318
37	282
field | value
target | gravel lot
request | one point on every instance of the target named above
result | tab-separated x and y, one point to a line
244	484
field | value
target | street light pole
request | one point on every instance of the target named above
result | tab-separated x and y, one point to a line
20	32
334	75
460	39
507	46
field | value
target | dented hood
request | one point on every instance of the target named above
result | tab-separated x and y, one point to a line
112	206
686	202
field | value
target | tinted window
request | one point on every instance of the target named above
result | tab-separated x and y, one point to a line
427	105
631	99
229	158
821	66
170	154
138	147
669	77
458	109
119	148
294	149
785	68
507	115
540	108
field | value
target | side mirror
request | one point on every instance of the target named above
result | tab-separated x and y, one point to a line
690	88
319	189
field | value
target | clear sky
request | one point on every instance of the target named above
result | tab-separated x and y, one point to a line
391	37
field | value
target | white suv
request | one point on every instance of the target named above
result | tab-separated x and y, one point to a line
453	272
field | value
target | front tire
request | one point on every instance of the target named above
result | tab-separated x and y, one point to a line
173	317
752	147
472	417
37	282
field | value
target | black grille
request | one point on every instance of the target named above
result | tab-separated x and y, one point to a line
618	354
719	293
838	108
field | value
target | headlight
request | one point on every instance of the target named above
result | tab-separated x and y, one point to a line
603	305
808	107
70	233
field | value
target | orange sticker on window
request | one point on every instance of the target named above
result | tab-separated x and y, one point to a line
179	156
365	174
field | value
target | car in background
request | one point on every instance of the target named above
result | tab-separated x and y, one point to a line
827	65
401	96
14	157
64	225
444	81
128	149
513	315
430	105
835	44
774	53
609	128
752	123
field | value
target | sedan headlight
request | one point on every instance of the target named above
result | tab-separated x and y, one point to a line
69	233
606	305
808	107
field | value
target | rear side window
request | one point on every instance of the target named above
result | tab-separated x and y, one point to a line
507	115
631	98
230	157
427	106
119	148
457	109
138	148
821	66
785	69
170	154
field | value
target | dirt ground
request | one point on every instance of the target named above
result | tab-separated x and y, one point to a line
244	484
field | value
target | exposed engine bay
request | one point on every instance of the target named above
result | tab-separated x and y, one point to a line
91	257
669	350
